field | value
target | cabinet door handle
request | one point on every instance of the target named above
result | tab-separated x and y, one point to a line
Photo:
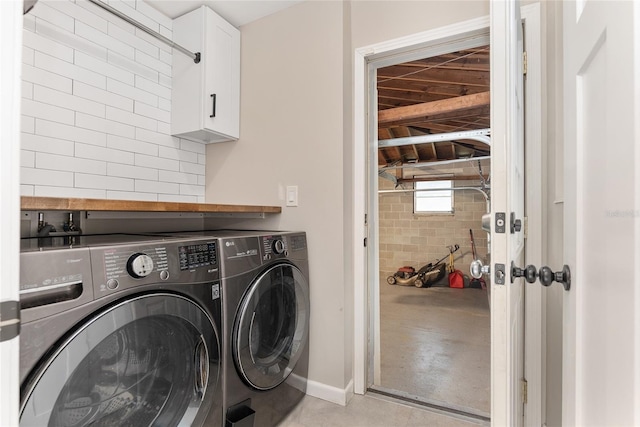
213	107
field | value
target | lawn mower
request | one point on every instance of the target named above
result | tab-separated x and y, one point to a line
425	276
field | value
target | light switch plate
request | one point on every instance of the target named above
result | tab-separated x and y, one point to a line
292	195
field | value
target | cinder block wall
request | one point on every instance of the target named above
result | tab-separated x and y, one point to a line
416	239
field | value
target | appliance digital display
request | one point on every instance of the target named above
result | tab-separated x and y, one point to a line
199	255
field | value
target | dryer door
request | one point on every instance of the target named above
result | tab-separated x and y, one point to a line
150	360
272	326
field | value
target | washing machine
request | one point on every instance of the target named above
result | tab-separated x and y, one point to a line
120	330
264	279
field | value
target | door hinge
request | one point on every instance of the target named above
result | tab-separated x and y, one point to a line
366	220
524	63
365	242
524	386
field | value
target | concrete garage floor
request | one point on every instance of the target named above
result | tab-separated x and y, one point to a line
435	345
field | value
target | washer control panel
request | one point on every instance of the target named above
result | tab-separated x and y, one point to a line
120	267
273	247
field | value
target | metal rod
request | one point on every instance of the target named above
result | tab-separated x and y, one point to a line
413	190
481	135
195	56
432	164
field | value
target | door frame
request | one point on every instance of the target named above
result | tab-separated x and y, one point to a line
366	277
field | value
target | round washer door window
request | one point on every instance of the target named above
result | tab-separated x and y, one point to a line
272	326
152	360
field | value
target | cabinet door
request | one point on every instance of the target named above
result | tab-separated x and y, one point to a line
222	78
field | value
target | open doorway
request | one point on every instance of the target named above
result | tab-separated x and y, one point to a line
433	189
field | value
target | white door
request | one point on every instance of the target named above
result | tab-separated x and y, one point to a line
601	332
507	198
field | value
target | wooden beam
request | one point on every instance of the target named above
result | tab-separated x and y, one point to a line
434	108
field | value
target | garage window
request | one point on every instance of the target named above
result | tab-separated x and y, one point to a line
433	200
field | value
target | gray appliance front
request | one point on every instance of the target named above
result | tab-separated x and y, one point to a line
131	364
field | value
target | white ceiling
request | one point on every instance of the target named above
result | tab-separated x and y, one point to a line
237	12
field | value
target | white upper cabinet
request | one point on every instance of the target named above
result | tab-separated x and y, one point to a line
205	97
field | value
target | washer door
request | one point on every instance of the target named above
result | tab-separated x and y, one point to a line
272	326
151	360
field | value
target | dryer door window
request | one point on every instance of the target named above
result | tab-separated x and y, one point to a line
152	360
272	326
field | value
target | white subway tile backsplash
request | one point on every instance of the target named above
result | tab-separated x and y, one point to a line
164	104
29	22
83	180
124	195
27	159
65	100
51	112
163	139
192	190
87	121
196	147
72	164
130	146
71	133
47	11
82	15
82	193
96	108
157	162
104	68
104	97
85	151
153	13
158	187
145	110
45	144
27	124
46	78
192	168
153	87
132	92
103	39
26	190
69	70
79	44
42	43
133	40
175	153
126	117
26	90
178	177
164	128
153	63
46	177
127	171
28	55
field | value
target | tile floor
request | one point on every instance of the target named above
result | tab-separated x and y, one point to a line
369	411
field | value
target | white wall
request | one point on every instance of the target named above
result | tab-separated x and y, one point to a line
295	129
97	106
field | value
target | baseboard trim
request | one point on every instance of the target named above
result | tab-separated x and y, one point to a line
330	393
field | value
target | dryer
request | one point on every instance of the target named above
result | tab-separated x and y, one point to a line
264	278
120	330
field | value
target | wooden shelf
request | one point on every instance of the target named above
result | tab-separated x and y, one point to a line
29	203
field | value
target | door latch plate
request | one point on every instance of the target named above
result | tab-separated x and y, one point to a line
499	275
501	222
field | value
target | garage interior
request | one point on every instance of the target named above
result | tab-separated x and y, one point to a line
434	125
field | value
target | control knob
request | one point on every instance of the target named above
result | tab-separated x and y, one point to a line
278	246
139	265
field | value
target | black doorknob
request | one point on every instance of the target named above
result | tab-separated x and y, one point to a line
529	273
547	276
